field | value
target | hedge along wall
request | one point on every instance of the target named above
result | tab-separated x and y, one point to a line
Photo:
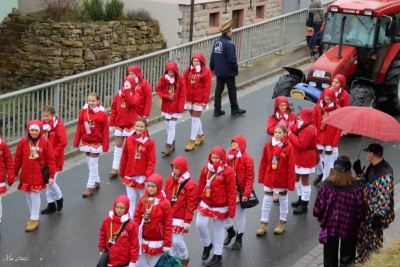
34	51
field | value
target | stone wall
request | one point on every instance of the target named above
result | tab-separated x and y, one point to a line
34	51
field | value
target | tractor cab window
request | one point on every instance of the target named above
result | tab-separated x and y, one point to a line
357	31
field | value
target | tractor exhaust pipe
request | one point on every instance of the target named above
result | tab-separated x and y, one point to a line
341	38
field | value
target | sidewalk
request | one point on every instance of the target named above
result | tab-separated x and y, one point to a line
260	69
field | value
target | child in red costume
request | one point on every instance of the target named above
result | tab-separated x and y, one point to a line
282	115
276	172
56	133
124	249
243	165
327	136
304	144
6	170
143	90
153	214
138	162
216	191
32	151
198	79
171	89
92	129
122	118
180	190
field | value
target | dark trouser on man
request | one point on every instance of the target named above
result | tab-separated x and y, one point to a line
347	252
230	83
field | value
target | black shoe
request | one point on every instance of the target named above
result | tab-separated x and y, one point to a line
302	208
51	208
219	112
60	204
238	111
318	179
206	252
231	234
216	259
238	242
296	203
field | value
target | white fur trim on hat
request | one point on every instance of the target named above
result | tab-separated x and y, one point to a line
34	127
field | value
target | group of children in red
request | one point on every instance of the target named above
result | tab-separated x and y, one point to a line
160	218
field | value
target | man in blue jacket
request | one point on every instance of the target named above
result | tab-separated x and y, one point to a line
224	64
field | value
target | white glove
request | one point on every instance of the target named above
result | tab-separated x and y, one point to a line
46	127
166	249
112	129
186	226
132	264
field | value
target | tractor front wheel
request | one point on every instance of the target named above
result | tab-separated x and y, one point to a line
285	84
390	89
362	96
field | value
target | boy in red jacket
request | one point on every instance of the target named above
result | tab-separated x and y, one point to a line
216	191
276	172
124	249
153	214
6	170
143	90
180	191
56	133
171	89
243	165
32	151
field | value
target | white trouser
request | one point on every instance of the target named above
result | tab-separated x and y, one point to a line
179	248
53	192
241	220
93	172
219	233
266	208
131	193
33	199
146	260
170	125
117	157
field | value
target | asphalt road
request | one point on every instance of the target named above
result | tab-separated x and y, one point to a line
69	238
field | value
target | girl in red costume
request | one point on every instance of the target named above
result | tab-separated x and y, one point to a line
138	162
243	165
304	145
198	79
56	132
6	170
282	115
216	191
276	172
343	100
124	249
181	192
143	90
32	151
171	89
327	136
92	130
153	214
122	118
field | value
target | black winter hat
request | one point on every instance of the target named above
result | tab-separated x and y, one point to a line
342	164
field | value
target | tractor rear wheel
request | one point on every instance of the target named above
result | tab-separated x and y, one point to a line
362	96
285	84
391	88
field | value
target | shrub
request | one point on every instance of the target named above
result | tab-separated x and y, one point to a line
138	14
59	9
114	9
94	9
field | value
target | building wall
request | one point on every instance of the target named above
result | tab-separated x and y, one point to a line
6	8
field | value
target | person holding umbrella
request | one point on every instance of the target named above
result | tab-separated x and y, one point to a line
378	187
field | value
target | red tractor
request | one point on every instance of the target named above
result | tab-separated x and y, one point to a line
363	42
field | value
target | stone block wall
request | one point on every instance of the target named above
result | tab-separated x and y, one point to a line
34	51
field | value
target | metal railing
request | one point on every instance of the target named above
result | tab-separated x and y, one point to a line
69	94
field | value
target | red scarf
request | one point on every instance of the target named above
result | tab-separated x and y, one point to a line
279	151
